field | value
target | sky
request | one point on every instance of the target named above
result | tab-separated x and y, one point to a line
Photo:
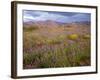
62	17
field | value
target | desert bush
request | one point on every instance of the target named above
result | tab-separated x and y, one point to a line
52	41
73	36
56	40
86	36
61	37
30	28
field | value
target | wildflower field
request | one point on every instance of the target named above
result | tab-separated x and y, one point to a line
56	46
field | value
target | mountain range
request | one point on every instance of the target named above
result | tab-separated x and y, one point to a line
50	23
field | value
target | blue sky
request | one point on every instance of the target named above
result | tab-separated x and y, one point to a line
63	17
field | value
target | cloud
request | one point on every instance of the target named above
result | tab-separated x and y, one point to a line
81	17
43	16
55	16
50	16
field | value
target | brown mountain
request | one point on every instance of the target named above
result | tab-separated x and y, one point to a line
47	23
51	24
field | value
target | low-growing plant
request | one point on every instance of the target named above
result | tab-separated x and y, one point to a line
86	36
30	28
73	36
66	50
52	41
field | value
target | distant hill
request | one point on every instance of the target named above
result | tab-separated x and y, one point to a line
50	23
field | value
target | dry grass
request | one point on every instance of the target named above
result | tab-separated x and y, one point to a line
45	48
